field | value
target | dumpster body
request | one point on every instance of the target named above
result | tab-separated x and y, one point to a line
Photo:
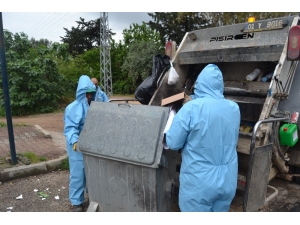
263	51
127	169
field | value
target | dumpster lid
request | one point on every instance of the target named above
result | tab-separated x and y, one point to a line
124	132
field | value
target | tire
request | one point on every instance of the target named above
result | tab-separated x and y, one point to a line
297	179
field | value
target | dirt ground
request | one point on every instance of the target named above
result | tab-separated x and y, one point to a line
49	122
287	200
54	121
43	193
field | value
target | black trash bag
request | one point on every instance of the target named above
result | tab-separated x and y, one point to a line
146	89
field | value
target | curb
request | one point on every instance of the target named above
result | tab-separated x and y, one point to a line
46	133
30	170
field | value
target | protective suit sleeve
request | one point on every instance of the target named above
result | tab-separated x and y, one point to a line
104	97
72	119
101	96
177	134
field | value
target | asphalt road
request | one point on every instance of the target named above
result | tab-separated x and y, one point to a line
42	193
56	184
54	187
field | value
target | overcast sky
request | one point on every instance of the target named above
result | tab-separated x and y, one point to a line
46	19
49	25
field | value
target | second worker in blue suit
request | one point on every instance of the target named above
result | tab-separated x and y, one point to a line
100	95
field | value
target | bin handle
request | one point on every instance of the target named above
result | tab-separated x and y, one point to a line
120	104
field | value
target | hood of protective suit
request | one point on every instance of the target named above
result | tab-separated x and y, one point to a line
84	84
209	83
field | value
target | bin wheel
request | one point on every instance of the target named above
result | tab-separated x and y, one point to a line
297	179
178	168
295	170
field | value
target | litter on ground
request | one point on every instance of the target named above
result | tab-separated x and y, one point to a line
19	197
43	195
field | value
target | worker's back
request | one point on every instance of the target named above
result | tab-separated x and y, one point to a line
207	130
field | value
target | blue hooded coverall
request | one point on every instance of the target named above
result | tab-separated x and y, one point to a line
74	118
101	96
206	129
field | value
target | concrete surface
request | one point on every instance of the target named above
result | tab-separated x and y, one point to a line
34	139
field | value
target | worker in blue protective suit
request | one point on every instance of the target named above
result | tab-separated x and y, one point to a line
74	118
100	95
206	130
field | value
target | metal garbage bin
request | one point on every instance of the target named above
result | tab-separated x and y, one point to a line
126	167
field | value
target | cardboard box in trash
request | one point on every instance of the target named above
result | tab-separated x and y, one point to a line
172	99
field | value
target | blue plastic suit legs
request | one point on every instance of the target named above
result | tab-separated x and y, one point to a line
77	184
77	178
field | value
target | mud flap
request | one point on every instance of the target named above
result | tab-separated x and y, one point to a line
257	178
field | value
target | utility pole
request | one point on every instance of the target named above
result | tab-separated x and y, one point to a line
6	96
105	64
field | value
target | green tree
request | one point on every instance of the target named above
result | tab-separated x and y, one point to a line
84	64
35	85
84	37
174	25
122	84
92	59
142	43
141	32
139	60
42	41
73	69
60	51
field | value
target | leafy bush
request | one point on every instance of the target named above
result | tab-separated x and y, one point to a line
2	112
35	85
122	83
139	60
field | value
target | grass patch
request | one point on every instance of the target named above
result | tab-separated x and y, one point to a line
64	164
20	125
43	158
33	157
2	124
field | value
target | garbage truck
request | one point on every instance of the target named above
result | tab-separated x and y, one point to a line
259	62
127	167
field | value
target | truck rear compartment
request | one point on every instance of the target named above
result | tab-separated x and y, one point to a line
237	57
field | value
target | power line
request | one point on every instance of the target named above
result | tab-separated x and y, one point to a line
54	24
45	24
37	23
48	27
36	28
49	24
